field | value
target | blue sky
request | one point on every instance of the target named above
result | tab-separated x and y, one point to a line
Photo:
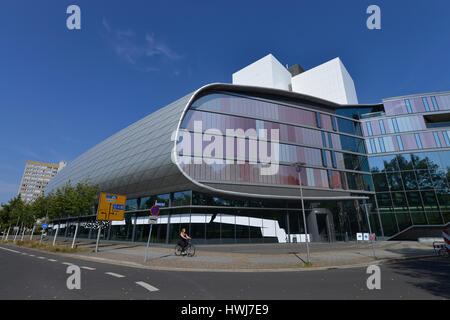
62	91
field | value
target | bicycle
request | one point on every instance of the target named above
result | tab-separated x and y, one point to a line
189	250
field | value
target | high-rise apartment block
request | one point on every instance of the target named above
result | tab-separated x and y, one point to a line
36	177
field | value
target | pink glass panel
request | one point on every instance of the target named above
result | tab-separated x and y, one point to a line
395	107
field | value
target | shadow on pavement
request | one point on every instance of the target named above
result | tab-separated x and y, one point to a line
435	274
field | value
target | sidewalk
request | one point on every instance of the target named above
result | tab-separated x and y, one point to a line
255	257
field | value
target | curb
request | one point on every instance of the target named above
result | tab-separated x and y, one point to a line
141	266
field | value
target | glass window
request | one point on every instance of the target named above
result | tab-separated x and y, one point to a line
446	138
435	104
348	126
182	198
369	128
436	139
390	163
352	144
400	143
146	202
408	106
331	140
419	143
376	164
395	181
444	199
439	179
319	121
429	200
324	159
333	159
399	201
389	224
324	139
372	146
383	130
381	142
424	179
395	124
131	204
418	217
384	202
420	160
434	217
409	180
380	182
425	103
333	122
414	201
404	220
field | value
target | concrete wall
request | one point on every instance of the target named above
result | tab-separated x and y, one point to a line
266	72
330	81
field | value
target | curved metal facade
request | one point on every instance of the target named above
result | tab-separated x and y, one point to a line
137	161
334	154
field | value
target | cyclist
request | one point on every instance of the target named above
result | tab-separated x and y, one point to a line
183	241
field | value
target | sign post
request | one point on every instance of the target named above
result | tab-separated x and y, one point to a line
111	207
44	226
154	211
370	229
98	237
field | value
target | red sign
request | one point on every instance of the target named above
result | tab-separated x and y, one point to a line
154	211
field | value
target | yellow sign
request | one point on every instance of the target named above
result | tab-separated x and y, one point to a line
111	207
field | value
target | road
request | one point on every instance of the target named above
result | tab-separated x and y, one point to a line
31	274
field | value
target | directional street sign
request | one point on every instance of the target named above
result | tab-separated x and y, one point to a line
111	207
44	226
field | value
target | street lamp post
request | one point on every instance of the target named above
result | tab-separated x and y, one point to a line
370	229
298	166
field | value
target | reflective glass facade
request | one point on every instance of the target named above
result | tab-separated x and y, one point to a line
392	156
409	157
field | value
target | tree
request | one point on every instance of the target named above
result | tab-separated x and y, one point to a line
66	201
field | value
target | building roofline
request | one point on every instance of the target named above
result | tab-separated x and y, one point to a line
416	95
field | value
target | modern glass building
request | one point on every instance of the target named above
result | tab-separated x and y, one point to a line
409	156
228	162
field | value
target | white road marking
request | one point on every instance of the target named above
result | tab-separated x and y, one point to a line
147	286
88	268
115	275
9	250
52	260
32	255
67	263
40	257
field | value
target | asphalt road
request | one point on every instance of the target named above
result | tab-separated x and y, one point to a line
31	274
